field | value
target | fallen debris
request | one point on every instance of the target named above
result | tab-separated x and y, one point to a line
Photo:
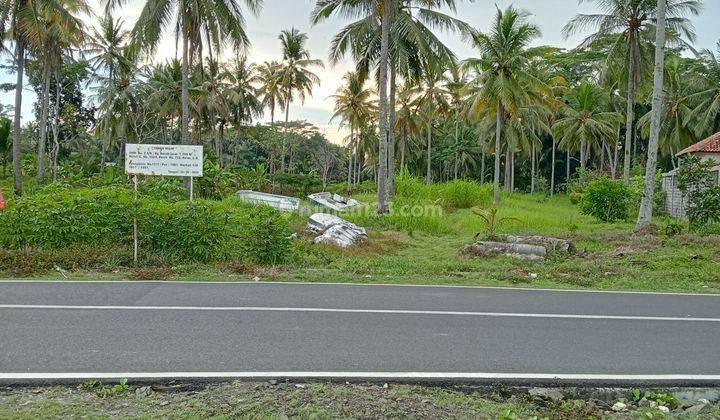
333	230
552	245
333	202
279	202
514	250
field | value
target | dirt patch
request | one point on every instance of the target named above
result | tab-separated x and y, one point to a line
151	273
273	399
690	239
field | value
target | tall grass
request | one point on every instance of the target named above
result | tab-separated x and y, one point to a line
458	194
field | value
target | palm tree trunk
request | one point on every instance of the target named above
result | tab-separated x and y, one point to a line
43	124
56	126
646	205
285	134
507	169
17	171
498	150
350	158
567	170
482	165
532	170
552	170
428	174
616	158
106	126
583	156
382	196
391	133
402	150
629	129
457	135
512	172
185	96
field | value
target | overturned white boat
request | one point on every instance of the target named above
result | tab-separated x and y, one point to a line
333	201
279	202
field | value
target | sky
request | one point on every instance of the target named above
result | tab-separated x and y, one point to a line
276	15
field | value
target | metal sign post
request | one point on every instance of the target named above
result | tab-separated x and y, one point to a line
191	189
160	160
136	233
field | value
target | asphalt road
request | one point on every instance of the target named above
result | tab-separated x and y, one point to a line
67	330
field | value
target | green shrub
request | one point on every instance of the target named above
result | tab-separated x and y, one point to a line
59	218
697	180
606	199
460	194
674	228
457	194
202	231
215	231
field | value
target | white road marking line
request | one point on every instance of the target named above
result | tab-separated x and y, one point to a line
310	283
357	311
358	375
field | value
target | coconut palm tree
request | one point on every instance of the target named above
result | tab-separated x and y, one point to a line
52	38
243	97
29	24
705	102
354	105
503	82
432	103
268	77
455	82
586	121
210	98
295	77
677	125
217	20
107	45
629	19
390	36
165	83
646	204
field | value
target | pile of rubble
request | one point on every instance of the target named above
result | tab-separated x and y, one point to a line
333	230
530	248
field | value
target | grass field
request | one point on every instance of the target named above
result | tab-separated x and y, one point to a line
609	257
424	250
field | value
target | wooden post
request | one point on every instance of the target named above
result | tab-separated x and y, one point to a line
135	220
191	188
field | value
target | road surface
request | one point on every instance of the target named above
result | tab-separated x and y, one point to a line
77	330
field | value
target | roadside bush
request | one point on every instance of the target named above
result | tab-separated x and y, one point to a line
606	199
58	218
203	231
700	184
215	231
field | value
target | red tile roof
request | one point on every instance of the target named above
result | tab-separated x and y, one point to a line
709	145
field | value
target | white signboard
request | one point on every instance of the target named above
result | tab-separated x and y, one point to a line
163	160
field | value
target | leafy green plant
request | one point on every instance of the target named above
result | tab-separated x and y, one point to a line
492	220
673	228
203	231
662	399
700	184
606	199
